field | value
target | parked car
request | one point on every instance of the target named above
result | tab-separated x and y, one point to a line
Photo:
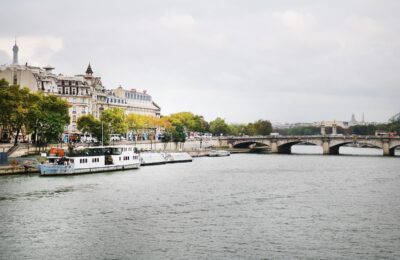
116	137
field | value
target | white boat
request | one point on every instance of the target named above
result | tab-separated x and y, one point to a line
150	158
217	153
92	160
178	157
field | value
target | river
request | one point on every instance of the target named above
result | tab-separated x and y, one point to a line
245	206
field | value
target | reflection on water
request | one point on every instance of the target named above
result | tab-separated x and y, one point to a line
247	206
345	150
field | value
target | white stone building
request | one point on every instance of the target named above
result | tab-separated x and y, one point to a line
85	93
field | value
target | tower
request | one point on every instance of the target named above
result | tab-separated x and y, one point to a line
15	53
89	71
323	132
334	128
353	120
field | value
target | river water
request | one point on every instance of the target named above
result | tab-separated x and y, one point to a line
244	206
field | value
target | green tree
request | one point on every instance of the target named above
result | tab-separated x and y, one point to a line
50	114
178	133
14	106
26	112
218	127
237	129
114	120
262	127
89	124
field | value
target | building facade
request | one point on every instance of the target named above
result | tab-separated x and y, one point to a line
85	92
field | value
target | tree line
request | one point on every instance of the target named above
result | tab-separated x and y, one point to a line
44	118
25	113
175	127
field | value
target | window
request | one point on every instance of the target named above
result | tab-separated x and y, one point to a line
73	118
73	91
94	160
83	160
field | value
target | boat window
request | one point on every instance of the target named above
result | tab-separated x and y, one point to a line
83	160
71	160
116	151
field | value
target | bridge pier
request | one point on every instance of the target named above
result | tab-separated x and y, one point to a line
325	147
274	146
386	148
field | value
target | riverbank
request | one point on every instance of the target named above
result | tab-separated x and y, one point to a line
17	170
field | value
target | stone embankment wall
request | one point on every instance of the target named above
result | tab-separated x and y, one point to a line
189	145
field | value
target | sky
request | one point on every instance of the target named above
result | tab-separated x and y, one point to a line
284	61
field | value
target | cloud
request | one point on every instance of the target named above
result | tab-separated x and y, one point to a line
365	25
177	21
280	60
296	21
36	50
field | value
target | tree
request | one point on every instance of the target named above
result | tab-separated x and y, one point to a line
237	129
218	126
178	133
89	124
26	112
51	116
14	106
114	120
136	122
189	121
262	127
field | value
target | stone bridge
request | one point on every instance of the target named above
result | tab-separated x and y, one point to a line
330	144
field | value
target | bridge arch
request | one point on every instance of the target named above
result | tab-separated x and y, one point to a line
248	144
392	149
334	149
286	148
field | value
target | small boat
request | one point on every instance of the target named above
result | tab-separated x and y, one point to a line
150	158
92	160
218	153
177	157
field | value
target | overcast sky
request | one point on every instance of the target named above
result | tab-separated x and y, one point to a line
286	61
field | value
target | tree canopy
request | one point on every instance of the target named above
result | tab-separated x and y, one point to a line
21	110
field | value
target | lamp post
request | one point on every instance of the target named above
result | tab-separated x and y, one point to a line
102	134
